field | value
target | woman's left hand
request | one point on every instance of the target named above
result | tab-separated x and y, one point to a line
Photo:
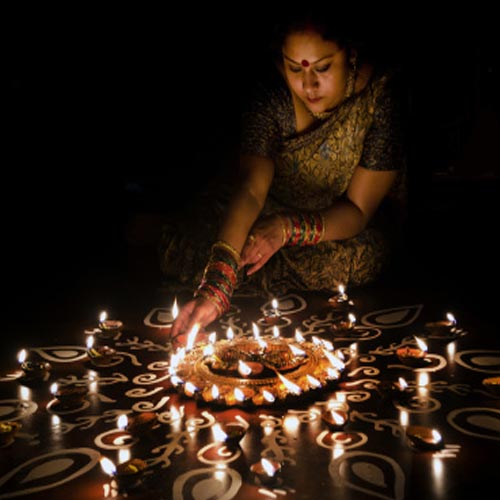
264	240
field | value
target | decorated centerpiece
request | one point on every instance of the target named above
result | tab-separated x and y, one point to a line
258	370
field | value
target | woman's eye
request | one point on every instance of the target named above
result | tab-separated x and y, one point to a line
322	69
294	69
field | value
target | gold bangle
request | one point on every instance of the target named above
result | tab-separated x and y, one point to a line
229	248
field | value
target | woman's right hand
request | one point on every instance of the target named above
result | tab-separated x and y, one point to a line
199	311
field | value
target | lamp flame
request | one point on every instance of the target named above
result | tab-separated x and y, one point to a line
21	357
243	368
108	466
421	344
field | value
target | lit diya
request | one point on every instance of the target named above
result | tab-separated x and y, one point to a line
335	415
424	438
230	433
128	474
344	324
340	300
272	316
109	325
267	471
413	356
395	389
492	384
8	431
100	355
443	327
141	424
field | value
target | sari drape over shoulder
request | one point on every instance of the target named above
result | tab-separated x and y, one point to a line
312	170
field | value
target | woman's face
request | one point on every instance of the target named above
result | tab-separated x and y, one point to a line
315	69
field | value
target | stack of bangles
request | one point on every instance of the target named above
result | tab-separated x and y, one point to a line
220	276
301	229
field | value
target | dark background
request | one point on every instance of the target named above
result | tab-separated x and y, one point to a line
116	117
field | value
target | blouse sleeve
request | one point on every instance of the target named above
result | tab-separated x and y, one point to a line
260	124
383	145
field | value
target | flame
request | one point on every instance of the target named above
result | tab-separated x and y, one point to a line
53	388
352	319
103	317
341	289
190	388
175	309
192	336
261	343
256	332
334	360
212	338
402	383
298	336
229	333
451	318
215	391
337	417
208	350
122	421
421	344
22	355
243	368
276	332
314	382
268	467
90	341
108	466
436	436
176	380
219	434
290	386
274	304
268	396
297	351
238	394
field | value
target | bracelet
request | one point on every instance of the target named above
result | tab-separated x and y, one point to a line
308	228
220	276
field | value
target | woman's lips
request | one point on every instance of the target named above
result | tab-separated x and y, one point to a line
313	100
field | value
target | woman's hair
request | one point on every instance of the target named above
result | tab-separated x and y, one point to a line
335	24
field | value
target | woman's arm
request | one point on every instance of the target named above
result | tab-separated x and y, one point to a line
255	177
349	216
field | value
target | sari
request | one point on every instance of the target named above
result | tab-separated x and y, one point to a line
312	170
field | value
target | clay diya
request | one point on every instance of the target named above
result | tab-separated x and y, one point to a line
129	474
424	438
35	371
8	431
70	396
492	384
267	471
141	424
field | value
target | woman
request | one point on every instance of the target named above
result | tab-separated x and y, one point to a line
320	161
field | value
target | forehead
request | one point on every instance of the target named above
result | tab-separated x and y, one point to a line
308	45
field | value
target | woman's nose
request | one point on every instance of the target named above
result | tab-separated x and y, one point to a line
309	81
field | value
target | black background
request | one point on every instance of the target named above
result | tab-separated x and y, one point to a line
114	112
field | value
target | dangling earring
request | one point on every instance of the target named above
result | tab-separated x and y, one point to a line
351	77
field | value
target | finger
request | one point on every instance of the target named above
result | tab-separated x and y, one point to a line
257	265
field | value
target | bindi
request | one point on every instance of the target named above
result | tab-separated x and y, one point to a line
304	63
